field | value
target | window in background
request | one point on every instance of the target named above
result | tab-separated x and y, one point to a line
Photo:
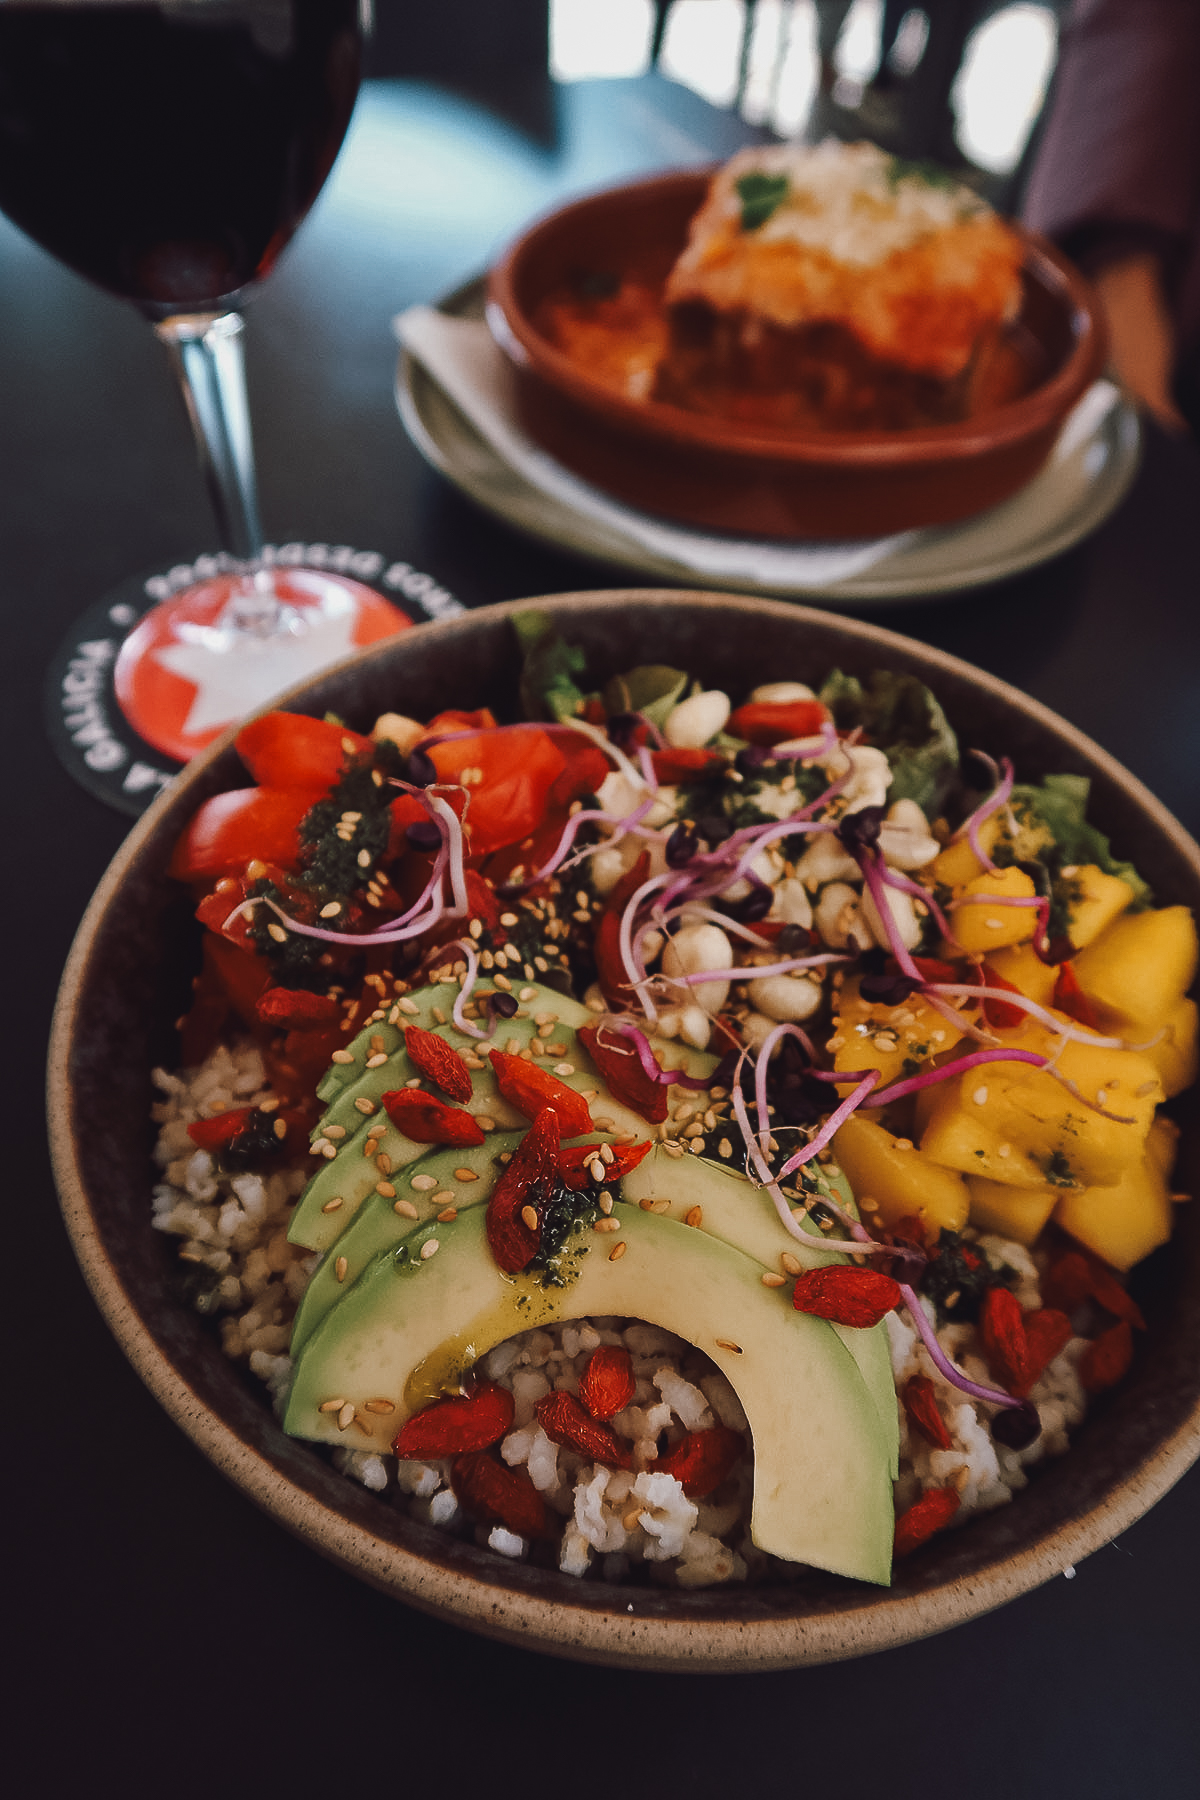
1002	84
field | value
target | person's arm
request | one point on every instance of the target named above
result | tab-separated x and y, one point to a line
1141	332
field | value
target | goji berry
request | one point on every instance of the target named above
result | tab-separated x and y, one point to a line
528	1180
610	964
1070	998
607	1385
297	1009
575	1162
935	1508
438	1060
221	1129
683	765
701	1460
848	1296
565	1421
1047	1331
775	721
624	1076
463	1422
997	1013
530	1089
1107	1358
1073	1278
924	1414
427	1120
1002	1329
497	1495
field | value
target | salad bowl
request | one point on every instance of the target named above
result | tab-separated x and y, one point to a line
128	979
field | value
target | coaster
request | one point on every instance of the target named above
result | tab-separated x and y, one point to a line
91	735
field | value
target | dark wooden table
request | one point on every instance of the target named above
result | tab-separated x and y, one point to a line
166	1637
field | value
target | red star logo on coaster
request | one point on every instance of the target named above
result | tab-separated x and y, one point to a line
188	669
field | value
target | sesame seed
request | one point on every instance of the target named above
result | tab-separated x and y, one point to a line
333	1205
475	928
447	1197
728	1344
563	1068
596	1169
429	1248
328	1152
603	1123
773	1281
485	1122
335	1131
696	1146
383	1163
278	933
438	1014
529	1217
408	1006
331	1405
980	1096
340	1267
502	981
527	993
630	1519
695	1216
332	910
724	1147
607	1225
343	1056
380	1406
617	1252
606	1203
363	859
791	1264
280	1128
377	1061
386	1189
364	1106
423	1183
406	1209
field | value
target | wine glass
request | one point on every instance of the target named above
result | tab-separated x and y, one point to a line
168	150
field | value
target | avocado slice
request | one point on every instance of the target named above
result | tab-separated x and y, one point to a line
822	1486
349	1176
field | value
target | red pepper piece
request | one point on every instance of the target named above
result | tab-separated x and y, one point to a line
607	1385
233	829
848	1296
575	1162
297	1009
290	750
1067	1283
565	1421
775	721
935	1508
528	1181
682	765
924	1413
623	1074
427	1120
1070	998
497	1495
1108	1293
606	945
530	1089
701	1460
929	968
221	1129
439	1061
464	1422
1107	1358
996	1013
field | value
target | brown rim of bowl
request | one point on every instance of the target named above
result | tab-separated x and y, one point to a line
597	1626
517	337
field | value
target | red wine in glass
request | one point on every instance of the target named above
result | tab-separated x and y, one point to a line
168	150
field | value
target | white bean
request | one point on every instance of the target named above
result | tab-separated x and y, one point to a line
826	860
694	722
781	693
398	730
690	952
785	998
905	838
907	924
839	919
791	903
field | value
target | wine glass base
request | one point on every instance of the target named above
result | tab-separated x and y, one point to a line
185	673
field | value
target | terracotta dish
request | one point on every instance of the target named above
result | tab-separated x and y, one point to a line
772	483
127	980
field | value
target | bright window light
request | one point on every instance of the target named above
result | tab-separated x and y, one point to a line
858	45
1002	83
702	45
611	39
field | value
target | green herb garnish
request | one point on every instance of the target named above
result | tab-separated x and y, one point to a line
760	195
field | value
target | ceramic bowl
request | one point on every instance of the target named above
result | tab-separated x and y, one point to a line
127	980
727	477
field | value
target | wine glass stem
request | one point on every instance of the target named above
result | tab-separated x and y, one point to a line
206	353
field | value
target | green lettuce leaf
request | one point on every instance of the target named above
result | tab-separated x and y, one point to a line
899	714
548	687
1060	802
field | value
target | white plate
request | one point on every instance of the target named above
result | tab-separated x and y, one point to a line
1086	478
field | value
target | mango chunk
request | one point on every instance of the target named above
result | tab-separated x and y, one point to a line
898	1178
1162	1146
1176	1055
872	1036
1124	1222
1097	899
1018	1213
957	864
981	928
1136	971
960	1138
1021	964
